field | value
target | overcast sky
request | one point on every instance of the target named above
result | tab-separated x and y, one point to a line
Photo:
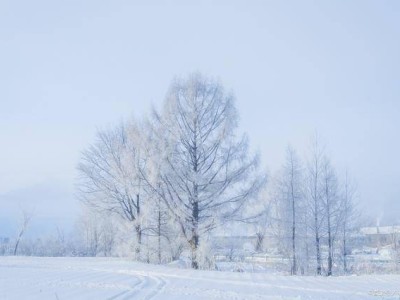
69	67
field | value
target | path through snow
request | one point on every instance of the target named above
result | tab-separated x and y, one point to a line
116	279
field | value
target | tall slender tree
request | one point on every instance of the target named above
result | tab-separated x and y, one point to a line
331	208
290	202
349	217
314	195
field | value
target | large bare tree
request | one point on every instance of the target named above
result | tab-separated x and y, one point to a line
205	171
110	174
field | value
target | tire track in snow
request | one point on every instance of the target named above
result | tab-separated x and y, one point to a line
158	289
118	295
132	289
148	287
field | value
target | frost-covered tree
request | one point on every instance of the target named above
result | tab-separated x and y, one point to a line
26	217
290	201
162	234
260	226
110	175
89	228
314	197
205	171
331	208
349	219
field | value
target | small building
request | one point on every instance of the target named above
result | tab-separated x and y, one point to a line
381	236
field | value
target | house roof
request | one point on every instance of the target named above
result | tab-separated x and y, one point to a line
382	230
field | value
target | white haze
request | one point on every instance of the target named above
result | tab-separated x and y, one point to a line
67	68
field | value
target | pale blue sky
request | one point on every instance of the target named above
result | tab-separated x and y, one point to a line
67	67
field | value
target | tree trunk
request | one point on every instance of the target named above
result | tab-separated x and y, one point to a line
344	251
294	261
195	211
330	250
194	243
330	242
18	240
16	247
138	229
159	235
316	223
260	241
317	240
317	244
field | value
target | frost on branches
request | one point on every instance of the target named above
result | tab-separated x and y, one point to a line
183	170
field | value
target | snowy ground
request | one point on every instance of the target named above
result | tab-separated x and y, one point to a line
100	278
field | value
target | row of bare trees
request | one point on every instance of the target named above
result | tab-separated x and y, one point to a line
182	172
314	210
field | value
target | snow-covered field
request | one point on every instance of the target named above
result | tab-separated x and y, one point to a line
103	278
